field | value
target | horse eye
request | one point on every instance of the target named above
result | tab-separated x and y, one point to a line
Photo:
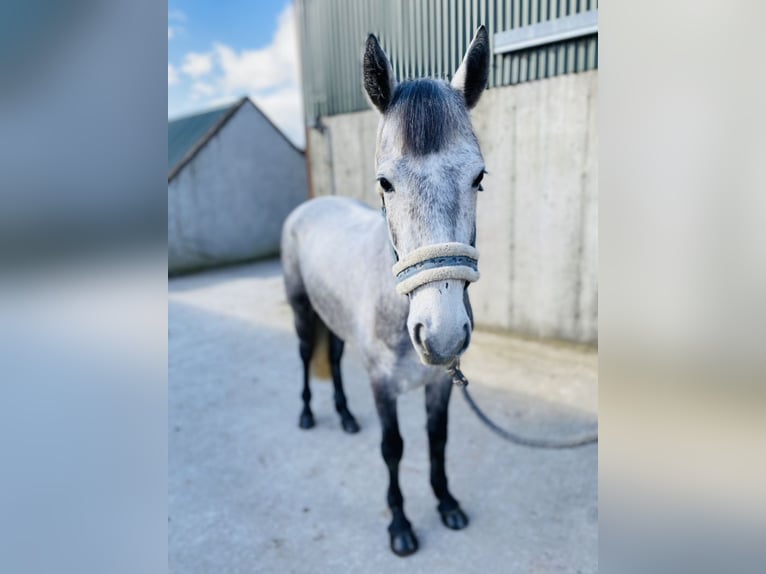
477	181
386	185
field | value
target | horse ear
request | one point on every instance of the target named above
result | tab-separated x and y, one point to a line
378	75
471	77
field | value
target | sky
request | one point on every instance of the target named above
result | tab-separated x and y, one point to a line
221	51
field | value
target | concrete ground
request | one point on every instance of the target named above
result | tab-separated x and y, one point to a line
248	491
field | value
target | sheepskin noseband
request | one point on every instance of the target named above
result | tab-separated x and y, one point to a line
437	262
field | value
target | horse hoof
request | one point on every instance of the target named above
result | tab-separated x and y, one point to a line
306	421
404	543
350	425
454	519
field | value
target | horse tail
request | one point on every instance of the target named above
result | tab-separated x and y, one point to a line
320	358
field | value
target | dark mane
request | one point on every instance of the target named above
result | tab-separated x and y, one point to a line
430	113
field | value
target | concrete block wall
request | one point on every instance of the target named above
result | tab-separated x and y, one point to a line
537	228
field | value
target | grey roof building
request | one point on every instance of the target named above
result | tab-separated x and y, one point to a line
233	177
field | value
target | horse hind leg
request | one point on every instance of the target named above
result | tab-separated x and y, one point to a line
347	420
306	327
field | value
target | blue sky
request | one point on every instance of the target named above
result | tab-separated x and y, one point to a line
220	51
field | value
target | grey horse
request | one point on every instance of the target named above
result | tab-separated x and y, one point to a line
413	322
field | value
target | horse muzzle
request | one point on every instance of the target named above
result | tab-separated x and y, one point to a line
438	323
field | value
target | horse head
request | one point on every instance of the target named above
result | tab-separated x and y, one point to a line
429	169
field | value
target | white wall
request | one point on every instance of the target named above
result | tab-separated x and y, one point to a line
538	218
228	204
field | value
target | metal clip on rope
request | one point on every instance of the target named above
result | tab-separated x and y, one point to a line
458	378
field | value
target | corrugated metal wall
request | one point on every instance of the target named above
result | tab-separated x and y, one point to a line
425	38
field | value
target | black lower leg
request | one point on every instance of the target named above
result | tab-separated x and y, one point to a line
346	418
305	326
402	538
437	403
307	417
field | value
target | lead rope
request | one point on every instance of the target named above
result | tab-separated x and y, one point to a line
460	380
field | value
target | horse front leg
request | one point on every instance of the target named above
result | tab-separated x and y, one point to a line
402	538
437	403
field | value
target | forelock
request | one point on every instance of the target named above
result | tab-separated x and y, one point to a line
429	115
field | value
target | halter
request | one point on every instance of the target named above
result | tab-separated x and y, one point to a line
437	262
430	263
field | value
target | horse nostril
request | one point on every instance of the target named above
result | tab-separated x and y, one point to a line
420	337
467	340
418	333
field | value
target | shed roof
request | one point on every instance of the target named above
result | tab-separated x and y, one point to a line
189	134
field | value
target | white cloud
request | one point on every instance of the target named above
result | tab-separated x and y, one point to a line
273	66
202	90
197	65
177	16
250	70
269	75
285	109
172	75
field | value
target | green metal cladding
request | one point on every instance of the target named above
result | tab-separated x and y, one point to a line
425	38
